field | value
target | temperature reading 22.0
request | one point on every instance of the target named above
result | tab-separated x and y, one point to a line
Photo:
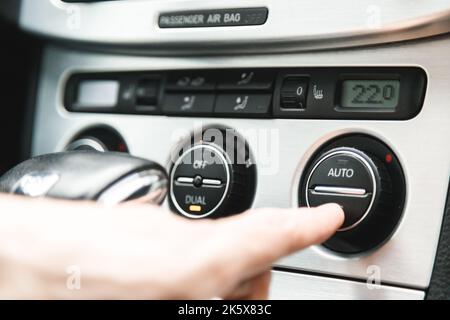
370	94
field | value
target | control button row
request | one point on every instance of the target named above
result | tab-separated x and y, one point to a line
221	104
226	80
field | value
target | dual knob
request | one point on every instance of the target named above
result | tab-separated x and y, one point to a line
212	179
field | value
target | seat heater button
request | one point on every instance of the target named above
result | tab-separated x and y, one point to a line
247	79
188	104
245	104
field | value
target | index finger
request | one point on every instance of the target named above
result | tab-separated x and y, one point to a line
261	237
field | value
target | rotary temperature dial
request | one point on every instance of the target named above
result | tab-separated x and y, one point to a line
210	180
350	178
363	176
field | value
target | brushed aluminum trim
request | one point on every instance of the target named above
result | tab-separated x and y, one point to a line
132	26
296	286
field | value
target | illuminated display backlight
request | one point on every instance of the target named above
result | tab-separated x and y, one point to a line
370	94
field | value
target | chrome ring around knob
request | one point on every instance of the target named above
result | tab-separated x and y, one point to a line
223	158
90	143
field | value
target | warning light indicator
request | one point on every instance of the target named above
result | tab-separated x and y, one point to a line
195	208
388	158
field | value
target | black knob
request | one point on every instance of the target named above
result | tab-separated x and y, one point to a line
361	178
211	179
350	178
101	138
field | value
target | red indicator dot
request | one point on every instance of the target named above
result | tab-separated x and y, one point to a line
388	158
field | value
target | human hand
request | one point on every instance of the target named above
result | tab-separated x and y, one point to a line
144	252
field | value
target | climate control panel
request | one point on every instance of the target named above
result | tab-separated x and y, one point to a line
376	108
370	93
214	176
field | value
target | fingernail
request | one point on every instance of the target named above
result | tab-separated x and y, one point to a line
334	205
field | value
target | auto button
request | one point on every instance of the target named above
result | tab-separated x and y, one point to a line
344	168
364	176
344	176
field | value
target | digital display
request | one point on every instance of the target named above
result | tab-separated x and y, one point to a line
97	93
370	94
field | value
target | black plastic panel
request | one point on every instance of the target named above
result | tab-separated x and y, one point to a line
324	93
255	93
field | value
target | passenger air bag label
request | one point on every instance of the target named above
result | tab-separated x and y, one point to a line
214	18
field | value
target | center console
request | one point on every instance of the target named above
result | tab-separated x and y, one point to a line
248	118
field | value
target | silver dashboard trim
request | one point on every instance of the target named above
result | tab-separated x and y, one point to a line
132	26
406	259
297	286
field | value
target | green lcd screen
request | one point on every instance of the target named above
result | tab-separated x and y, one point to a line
370	94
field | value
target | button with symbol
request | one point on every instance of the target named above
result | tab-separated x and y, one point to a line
247	79
317	92
147	92
191	81
257	105
293	93
188	104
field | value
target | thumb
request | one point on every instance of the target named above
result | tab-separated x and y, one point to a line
263	236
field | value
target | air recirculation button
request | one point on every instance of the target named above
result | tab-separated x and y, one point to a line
363	176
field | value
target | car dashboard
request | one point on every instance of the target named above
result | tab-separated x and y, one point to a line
346	104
